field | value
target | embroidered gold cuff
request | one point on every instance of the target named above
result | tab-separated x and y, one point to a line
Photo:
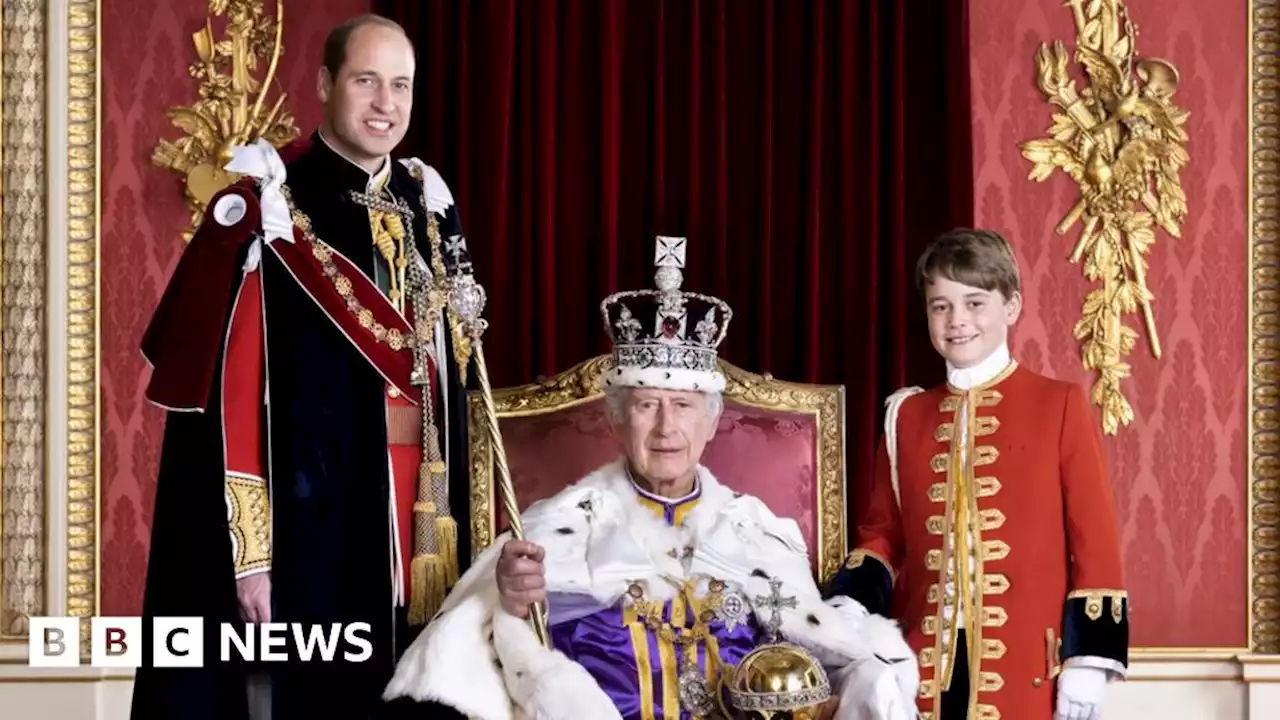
859	556
1093	602
249	518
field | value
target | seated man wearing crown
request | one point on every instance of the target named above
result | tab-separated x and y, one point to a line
660	581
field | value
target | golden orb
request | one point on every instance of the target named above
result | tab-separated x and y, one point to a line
779	678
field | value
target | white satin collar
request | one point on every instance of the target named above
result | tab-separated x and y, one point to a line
983	372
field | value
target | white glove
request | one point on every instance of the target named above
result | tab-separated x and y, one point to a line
1081	691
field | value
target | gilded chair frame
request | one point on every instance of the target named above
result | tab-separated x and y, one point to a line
581	384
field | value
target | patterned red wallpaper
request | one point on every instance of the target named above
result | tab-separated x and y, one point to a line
146	49
1179	470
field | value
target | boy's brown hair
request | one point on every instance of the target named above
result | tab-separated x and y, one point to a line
970	256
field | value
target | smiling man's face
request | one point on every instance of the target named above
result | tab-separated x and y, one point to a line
367	106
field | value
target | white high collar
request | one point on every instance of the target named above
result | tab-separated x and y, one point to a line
981	373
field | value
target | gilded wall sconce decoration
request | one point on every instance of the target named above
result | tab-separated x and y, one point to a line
231	107
1121	138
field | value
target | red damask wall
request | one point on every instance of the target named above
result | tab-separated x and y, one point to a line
1179	470
146	49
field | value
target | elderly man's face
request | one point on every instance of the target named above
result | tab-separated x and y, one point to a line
663	433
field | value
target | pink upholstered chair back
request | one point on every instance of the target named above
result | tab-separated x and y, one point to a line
781	442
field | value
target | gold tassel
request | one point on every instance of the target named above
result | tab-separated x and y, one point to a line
447	542
427	588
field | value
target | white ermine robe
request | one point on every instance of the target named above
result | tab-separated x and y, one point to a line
608	544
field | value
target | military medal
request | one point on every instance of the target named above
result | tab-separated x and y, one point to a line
733	610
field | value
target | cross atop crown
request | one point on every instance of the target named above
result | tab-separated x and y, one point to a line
669	252
666	337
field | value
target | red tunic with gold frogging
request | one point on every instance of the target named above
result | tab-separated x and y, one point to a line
1030	482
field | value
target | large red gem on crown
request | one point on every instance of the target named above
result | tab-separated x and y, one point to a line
670	326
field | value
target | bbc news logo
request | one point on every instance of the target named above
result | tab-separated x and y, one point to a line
180	642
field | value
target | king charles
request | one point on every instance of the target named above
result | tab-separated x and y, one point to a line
659	579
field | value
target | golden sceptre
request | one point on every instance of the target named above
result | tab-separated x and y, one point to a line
466	302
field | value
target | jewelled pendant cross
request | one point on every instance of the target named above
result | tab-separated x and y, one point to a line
774	602
375	202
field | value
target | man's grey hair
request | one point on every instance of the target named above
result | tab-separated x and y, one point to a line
615	397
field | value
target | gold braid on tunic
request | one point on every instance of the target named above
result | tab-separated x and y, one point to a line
434	566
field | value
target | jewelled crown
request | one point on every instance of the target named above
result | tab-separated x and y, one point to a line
666	338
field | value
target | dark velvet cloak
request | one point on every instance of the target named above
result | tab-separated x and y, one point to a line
328	466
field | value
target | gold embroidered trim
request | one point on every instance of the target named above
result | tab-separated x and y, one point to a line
933	560
989	398
929	624
988	486
991	519
985	455
945	432
927	656
995	549
986	426
949	404
989	682
249	522
934	524
993	649
939	462
1093	602
938	492
859	556
994	616
1052	653
926	716
926	688
994	584
986	712
1097	591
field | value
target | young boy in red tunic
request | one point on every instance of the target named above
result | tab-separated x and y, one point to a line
990	534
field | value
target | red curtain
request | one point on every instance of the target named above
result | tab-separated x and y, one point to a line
807	149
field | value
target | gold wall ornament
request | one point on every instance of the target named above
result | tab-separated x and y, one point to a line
1121	139
230	109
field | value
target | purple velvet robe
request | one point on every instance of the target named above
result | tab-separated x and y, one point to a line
635	667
